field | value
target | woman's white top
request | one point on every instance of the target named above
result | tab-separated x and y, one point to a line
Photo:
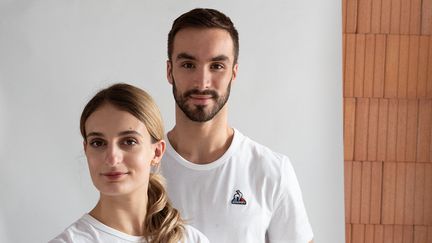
88	229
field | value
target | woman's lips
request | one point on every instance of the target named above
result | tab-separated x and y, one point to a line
115	175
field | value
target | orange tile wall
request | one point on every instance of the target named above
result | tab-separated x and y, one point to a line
387	56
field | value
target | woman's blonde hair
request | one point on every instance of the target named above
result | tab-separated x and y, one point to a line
163	223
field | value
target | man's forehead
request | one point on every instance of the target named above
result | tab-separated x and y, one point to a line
203	43
198	31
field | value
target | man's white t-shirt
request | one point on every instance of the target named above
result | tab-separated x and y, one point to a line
88	229
250	194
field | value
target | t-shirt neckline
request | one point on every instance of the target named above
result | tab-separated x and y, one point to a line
209	166
105	228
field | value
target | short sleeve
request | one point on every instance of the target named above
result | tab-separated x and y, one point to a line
289	222
194	236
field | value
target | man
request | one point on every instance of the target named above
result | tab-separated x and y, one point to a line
228	186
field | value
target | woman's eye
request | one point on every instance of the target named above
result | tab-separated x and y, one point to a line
130	142
96	143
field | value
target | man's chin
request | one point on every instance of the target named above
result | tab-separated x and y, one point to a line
199	115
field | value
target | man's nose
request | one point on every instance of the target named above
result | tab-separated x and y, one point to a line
202	78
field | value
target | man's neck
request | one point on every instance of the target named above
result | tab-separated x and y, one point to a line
201	142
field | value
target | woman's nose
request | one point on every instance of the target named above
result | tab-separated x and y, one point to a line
113	155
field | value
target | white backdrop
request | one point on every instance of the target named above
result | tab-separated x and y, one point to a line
55	54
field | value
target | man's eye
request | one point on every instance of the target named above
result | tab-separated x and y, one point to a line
217	66
187	65
96	143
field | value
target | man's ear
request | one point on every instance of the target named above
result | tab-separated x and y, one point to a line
234	74
169	71
159	150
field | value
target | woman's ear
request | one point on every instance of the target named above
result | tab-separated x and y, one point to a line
85	145
159	150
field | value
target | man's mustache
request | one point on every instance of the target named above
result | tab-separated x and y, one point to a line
213	93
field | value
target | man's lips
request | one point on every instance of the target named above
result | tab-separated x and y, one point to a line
201	94
201	97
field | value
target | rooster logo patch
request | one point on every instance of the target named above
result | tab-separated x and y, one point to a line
238	198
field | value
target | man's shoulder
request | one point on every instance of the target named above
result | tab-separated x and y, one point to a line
194	235
265	160
261	151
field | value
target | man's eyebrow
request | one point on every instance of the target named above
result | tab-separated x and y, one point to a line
184	55
220	58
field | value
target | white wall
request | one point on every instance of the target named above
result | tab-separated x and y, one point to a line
54	55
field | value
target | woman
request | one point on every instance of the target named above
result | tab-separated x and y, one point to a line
123	142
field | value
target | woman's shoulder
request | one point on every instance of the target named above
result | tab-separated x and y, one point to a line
89	230
85	230
194	236
71	233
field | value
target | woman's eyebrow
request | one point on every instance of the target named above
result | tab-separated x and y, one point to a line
94	134
129	132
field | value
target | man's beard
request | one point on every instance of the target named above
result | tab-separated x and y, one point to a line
198	113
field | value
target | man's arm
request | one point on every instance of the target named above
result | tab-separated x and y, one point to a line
289	220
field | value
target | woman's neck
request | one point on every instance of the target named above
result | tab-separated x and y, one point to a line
124	213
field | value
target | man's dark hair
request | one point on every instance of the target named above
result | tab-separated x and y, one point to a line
203	18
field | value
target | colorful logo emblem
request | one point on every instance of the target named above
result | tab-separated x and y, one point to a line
238	198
